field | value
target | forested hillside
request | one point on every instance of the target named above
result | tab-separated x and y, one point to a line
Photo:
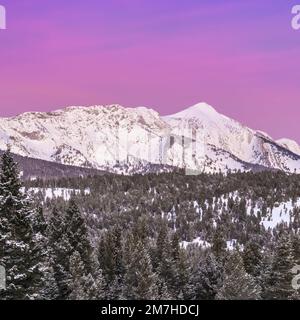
177	236
155	236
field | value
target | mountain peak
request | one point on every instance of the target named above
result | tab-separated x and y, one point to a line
196	111
203	107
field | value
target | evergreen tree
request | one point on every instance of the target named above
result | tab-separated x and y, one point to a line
182	271
296	248
21	253
162	243
252	257
48	285
68	234
110	255
77	234
264	275
238	284
85	286
280	281
166	254
166	268
163	291
140	280
219	243
206	278
60	251
78	276
94	286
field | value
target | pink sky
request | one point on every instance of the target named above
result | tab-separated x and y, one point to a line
242	57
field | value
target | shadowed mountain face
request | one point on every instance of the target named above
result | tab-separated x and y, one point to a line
138	140
31	169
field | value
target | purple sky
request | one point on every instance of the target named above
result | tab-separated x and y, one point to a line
242	57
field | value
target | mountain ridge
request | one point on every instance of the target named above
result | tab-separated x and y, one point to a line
113	137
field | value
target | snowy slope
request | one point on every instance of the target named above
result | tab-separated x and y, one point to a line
212	128
290	145
129	140
81	136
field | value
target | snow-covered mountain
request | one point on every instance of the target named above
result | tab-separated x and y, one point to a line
133	140
290	145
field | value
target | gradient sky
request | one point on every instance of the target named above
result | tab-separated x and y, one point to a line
242	57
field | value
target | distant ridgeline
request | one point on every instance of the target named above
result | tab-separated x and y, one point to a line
2	17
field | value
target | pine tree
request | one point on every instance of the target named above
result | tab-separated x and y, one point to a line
296	248
280	281
140	280
77	234
164	258
181	270
60	251
78	276
85	286
252	257
161	243
49	289
163	291
110	255
238	284
219	243
205	279
68	234
48	285
115	289
175	244
94	286
20	251
265	270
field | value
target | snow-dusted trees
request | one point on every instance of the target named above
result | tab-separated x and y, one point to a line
252	257
61	252
140	282
22	246
137	226
279	284
238	284
85	286
206	278
71	250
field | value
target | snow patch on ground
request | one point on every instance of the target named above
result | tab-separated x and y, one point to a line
55	193
280	214
196	242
